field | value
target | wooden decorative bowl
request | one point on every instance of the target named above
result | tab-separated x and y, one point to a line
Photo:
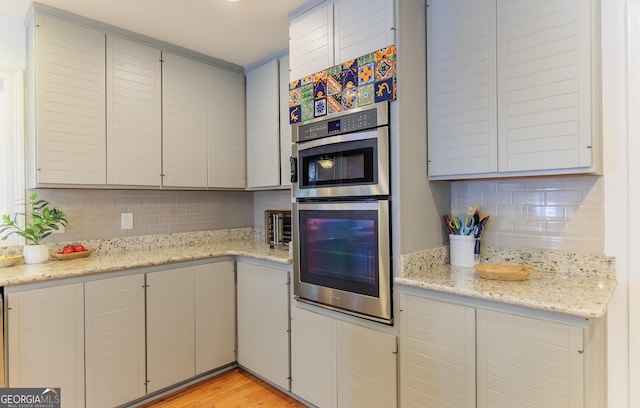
9	260
72	255
503	272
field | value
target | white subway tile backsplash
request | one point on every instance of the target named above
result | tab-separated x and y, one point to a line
95	214
528	198
564	213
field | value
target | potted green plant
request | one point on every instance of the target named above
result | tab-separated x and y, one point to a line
40	222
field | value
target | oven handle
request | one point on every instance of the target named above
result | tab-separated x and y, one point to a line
294	169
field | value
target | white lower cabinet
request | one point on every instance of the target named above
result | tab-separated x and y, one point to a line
190	322
170	327
313	358
465	356
263	321
341	364
525	362
46	340
438	363
215	315
125	336
115	340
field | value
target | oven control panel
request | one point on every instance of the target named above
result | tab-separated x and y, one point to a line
345	123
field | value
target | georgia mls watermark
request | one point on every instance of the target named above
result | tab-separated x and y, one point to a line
29	397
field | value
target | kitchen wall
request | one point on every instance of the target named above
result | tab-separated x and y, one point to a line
94	214
269	200
564	213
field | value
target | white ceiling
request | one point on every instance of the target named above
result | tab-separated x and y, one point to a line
241	32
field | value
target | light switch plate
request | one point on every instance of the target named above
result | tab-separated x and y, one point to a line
126	221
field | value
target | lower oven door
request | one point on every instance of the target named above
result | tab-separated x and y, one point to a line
342	256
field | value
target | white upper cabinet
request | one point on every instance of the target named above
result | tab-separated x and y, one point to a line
333	32
184	143
66	97
361	27
263	127
226	128
461	91
512	88
544	85
285	127
134	113
311	41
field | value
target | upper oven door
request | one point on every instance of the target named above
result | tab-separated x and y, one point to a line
350	165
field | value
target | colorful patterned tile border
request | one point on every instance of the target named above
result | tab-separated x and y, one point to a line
368	79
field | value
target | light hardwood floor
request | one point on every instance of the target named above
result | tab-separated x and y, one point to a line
234	389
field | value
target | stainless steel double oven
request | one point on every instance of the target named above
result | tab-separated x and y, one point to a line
341	214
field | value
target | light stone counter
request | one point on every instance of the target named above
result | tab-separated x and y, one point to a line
128	253
577	285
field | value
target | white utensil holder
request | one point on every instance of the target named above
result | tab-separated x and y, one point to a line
461	250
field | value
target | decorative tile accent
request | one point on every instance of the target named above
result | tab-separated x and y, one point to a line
365	74
334	103
362	81
365	95
320	107
349	99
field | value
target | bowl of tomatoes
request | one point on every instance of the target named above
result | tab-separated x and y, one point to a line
72	252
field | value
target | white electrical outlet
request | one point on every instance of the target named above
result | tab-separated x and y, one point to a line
126	221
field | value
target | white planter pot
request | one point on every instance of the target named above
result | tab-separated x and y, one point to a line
35	254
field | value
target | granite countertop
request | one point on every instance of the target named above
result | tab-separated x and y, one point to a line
121	257
564	283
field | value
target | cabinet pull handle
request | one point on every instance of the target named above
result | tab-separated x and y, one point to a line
580	351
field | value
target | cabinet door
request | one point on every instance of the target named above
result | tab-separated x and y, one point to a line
263	322
69	103
215	315
46	340
361	27
134	113
115	340
285	127
311	41
313	358
184	143
461	92
438	356
226	128
544	84
526	362
263	130
367	367
170	327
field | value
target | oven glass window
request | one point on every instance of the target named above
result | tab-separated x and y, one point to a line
345	163
339	249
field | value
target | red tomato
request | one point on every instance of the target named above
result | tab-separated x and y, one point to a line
68	249
79	248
